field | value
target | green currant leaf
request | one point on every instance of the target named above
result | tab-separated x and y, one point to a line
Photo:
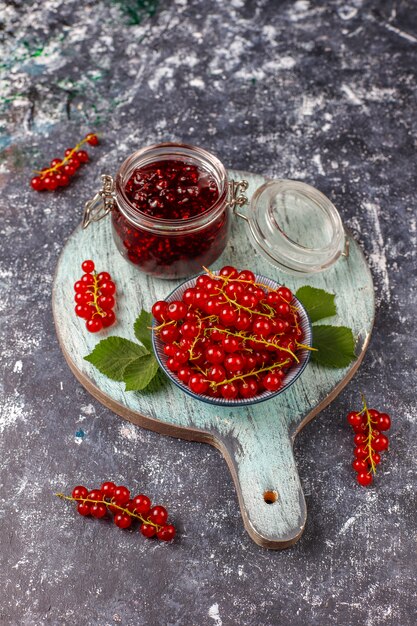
335	346
142	329
139	373
317	302
112	355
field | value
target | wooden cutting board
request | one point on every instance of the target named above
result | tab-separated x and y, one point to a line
256	441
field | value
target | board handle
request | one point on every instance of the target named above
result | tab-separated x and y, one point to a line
267	482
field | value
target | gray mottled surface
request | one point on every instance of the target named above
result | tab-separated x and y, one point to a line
319	91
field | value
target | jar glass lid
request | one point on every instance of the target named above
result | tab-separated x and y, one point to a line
295	226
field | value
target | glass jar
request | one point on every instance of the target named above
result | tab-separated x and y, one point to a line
293	225
162	247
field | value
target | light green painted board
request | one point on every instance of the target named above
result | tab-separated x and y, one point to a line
256	441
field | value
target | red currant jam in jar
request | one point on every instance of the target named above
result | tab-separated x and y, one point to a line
171	215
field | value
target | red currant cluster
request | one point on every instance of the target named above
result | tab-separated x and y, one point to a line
369	440
117	500
61	170
230	336
94	297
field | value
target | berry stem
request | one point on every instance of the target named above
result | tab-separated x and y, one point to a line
368	444
96	293
56	168
116	506
269	368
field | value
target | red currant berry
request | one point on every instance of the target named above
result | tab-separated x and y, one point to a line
198	384
170	349
246	276
121	495
87	279
176	310
184	374
364	478
234	363
273	299
106	302
160	311
354	419
359	439
167	533
82	156
285	294
95	494
108	319
230	344
262	328
251	362
383	421
108	288
98	510
80	286
169	333
80	492
55	163
214	355
272	381
88	266
243	321
248	388
142	504
50	182
37	183
69	170
94	325
158	515
233	290
68	152
283	309
380	443
122	520
217	374
172	364
189	330
188	296
62	180
229	272
73	162
228	315
83	508
103	277
373	414
376	458
181	356
147	530
229	391
92	139
108	488
360	465
81	310
360	452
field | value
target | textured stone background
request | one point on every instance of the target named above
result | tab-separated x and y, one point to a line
319	91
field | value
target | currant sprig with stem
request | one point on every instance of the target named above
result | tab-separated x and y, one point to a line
58	166
113	505
269	368
370	423
266	343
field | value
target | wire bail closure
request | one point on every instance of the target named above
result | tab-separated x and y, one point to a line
237	196
101	204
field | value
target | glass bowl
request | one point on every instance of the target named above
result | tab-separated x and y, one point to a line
296	370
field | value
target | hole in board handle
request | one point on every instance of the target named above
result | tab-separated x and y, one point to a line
270	496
